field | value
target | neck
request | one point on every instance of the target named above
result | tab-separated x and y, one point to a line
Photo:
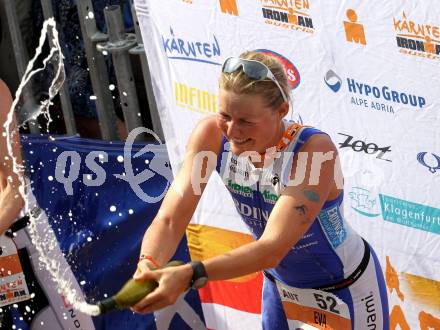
276	139
272	144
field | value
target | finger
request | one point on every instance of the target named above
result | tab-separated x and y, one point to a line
143	266
155	307
154	302
151	299
137	273
143	273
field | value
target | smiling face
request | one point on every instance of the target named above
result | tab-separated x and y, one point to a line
248	123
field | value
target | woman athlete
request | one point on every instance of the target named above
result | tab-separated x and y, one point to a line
317	270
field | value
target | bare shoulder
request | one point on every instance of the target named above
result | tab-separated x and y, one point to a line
319	143
206	136
5	101
4	90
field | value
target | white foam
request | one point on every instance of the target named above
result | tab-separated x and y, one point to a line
46	244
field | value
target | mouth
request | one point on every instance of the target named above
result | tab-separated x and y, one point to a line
239	142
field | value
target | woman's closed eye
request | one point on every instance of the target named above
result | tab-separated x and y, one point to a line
224	116
245	122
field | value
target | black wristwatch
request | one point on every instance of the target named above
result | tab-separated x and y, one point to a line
199	278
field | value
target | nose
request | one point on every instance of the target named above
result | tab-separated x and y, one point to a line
233	129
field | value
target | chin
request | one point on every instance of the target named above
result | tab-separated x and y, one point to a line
237	150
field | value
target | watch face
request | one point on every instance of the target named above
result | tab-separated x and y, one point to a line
200	283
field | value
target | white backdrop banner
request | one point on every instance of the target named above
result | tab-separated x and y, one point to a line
368	73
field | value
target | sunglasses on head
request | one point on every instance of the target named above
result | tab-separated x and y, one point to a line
253	69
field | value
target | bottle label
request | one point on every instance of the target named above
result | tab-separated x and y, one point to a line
13	287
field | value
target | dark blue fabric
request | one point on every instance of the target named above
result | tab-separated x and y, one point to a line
109	259
272	312
345	296
383	291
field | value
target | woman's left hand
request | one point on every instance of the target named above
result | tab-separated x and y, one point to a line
173	281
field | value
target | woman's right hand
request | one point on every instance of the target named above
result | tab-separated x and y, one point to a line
173	280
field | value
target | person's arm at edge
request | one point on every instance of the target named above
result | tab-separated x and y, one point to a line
11	201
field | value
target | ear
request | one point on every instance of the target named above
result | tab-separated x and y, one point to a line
283	109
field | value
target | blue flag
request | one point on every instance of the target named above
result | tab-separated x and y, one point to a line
99	202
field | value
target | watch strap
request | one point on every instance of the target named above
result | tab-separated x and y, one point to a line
199	271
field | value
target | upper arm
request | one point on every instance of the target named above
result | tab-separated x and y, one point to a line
5	163
5	100
200	160
319	159
10	201
5	105
301	202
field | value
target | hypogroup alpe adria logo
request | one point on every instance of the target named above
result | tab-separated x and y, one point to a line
366	96
333	81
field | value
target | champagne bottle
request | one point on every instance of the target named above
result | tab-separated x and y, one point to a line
132	292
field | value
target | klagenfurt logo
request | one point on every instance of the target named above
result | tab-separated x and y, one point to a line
395	210
410	214
194	98
362	146
417	39
291	71
370	97
178	48
363	202
288	14
431	161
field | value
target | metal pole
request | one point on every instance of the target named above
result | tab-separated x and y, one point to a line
140	50
98	70
118	45
21	58
20	51
66	105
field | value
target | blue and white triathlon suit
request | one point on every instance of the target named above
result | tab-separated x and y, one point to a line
331	278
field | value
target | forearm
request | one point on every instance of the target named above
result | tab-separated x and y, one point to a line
246	259
265	253
160	240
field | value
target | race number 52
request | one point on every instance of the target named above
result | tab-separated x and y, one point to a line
326	303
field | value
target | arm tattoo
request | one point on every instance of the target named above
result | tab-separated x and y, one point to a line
311	195
302	209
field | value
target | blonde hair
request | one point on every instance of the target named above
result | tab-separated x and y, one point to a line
239	83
